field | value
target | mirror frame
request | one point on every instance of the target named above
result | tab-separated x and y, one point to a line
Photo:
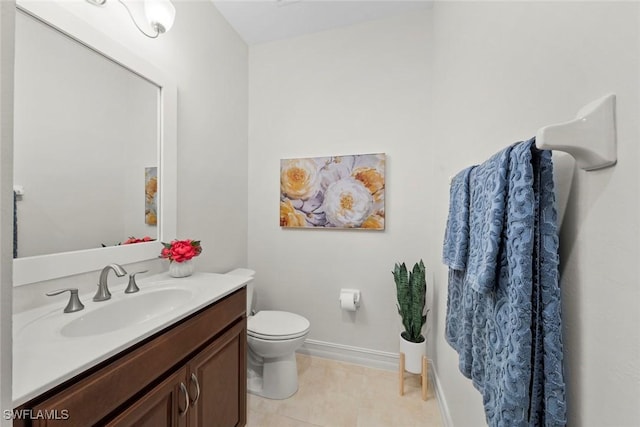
46	267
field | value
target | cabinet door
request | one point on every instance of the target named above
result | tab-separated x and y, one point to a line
166	405
220	374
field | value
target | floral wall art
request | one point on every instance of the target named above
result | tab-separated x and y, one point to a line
151	196
333	192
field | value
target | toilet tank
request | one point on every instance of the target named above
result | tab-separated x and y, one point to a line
246	273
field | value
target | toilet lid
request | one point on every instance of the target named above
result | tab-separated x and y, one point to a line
270	324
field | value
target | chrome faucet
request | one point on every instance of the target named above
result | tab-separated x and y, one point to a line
103	293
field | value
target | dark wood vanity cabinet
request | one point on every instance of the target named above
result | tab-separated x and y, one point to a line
161	407
205	392
192	374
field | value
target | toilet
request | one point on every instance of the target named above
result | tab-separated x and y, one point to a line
273	337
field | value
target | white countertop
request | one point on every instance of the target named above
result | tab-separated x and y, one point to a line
43	358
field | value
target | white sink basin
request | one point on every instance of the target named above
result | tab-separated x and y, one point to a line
134	309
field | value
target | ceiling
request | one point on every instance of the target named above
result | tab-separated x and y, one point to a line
267	20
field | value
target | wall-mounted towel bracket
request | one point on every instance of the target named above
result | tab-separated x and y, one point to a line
590	138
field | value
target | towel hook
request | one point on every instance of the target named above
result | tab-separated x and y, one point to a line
590	138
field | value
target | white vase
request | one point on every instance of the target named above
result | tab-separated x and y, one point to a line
181	269
413	353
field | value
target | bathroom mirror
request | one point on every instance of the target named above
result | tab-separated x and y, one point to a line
95	125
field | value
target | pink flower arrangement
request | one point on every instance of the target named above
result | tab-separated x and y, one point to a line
132	239
181	250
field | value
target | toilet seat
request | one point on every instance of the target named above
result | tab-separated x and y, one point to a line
273	325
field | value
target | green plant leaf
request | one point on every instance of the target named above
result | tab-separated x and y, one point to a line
411	288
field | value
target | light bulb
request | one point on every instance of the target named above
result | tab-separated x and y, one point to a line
160	14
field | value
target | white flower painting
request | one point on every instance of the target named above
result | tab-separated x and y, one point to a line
333	192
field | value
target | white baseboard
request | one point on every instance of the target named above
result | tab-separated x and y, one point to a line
373	359
442	401
346	353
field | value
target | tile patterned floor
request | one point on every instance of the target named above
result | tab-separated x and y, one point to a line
336	394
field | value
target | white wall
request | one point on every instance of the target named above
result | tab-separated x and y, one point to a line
360	89
208	60
502	70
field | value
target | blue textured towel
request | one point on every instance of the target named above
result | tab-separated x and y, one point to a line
503	311
456	235
455	253
488	202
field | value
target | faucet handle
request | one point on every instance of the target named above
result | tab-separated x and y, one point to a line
132	287
74	303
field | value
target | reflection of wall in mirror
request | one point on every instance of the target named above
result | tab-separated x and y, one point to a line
81	144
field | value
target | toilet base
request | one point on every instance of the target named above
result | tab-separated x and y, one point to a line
279	379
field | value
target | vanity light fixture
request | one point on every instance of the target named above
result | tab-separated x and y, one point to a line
160	15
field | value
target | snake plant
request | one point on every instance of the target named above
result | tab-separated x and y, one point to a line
411	290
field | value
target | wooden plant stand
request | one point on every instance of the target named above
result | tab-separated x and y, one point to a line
424	376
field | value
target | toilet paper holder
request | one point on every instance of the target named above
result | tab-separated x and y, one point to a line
350	295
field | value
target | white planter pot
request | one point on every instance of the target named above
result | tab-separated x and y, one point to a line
181	269
413	353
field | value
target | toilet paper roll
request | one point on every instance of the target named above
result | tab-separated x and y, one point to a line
349	300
